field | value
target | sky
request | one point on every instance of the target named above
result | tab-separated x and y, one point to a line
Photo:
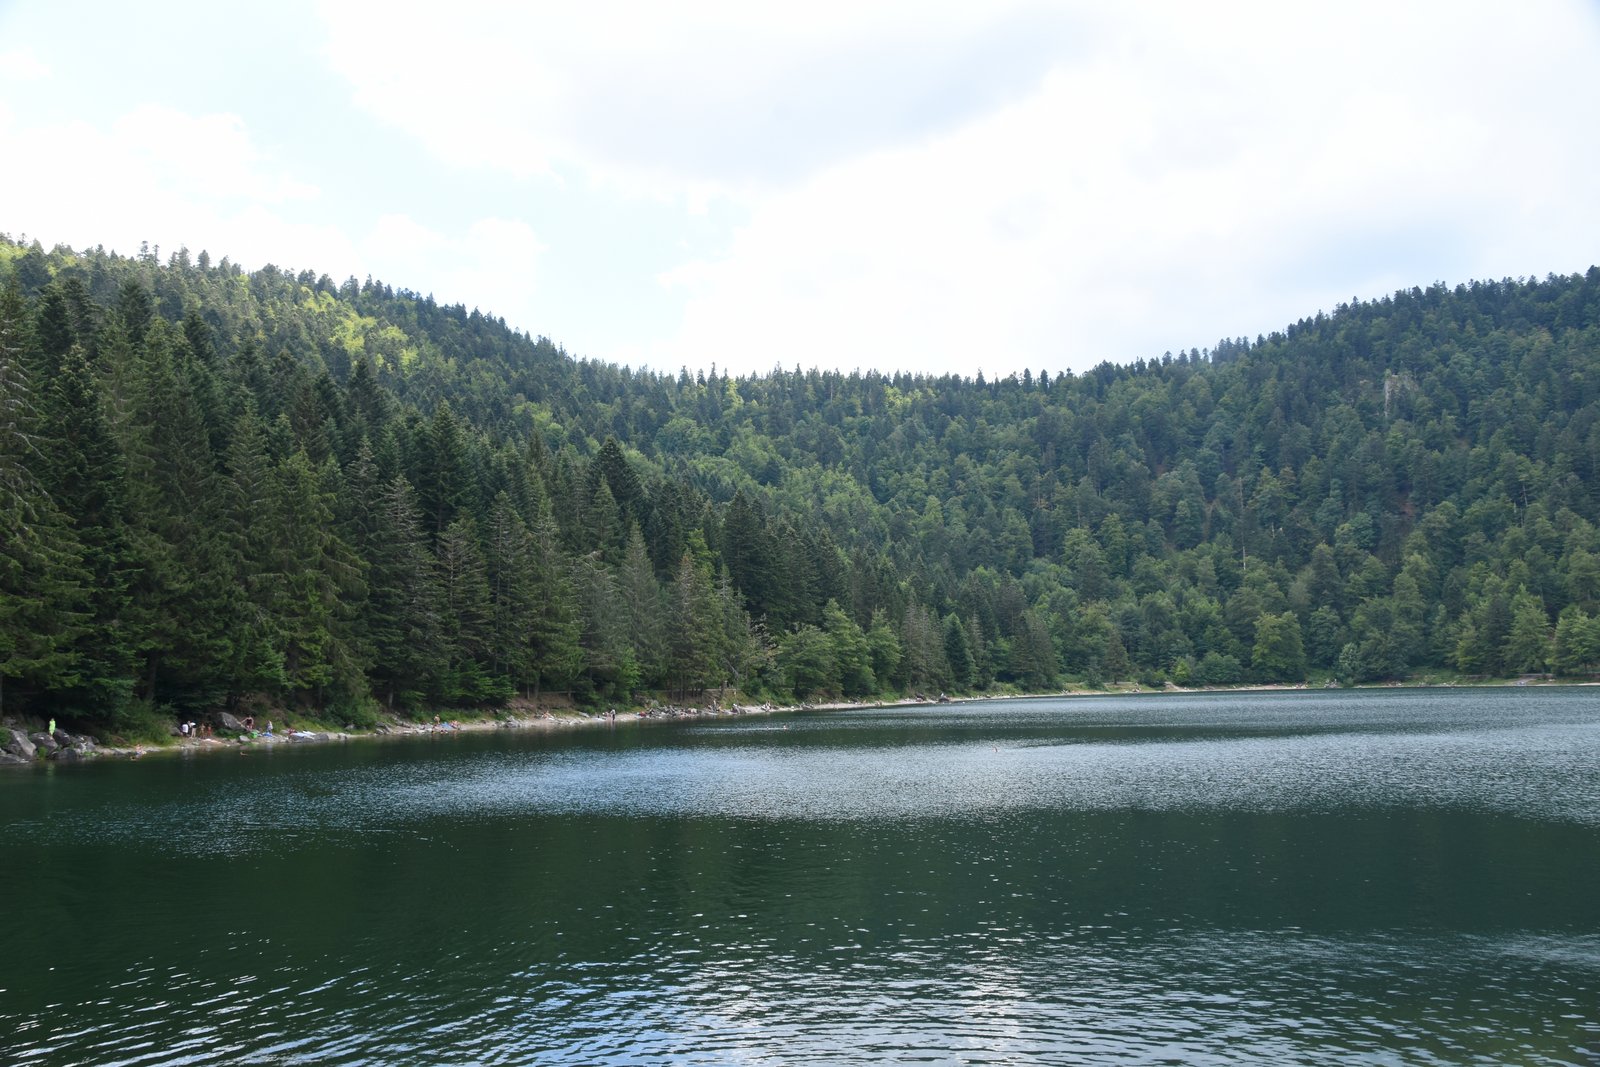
926	186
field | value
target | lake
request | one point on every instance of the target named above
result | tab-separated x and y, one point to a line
1381	877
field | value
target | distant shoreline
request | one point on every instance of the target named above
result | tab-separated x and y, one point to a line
566	720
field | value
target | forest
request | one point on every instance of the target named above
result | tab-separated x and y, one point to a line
225	489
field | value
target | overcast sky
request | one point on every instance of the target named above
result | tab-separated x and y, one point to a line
927	186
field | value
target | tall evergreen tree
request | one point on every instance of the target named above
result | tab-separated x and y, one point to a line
319	580
554	629
646	608
405	603
41	577
467	611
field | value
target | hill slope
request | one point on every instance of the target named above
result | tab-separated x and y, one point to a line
217	484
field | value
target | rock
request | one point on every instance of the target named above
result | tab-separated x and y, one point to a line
44	741
66	754
17	744
8	759
228	723
62	737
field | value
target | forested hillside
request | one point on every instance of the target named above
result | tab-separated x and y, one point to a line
219	486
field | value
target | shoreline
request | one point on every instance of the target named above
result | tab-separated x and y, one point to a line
552	720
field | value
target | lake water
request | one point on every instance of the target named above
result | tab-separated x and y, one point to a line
1390	877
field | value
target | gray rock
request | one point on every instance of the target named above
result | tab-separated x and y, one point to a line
228	723
17	744
63	737
44	741
8	759
66	755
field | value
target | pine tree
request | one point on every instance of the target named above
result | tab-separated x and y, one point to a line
442	478
1577	642
319	581
404	602
41	576
642	599
608	665
466	613
806	657
611	466
184	596
554	629
1527	645
957	653
257	644
694	627
745	651
510	571
1034	652
606	533
89	485
922	644
883	651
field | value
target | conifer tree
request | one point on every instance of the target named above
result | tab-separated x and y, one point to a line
883	651
466	611
406	628
182	599
643	601
694	626
41	577
958	654
509	567
319	583
257	645
608	664
744	652
554	629
89	486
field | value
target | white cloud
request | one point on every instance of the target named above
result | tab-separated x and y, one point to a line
670	98
492	265
208	155
960	186
159	175
929	186
18	64
1195	178
171	179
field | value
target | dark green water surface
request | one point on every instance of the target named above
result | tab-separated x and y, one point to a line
1400	877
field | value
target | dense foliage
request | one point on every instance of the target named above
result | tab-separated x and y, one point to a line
218	485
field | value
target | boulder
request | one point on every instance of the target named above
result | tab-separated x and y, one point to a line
66	755
44	741
9	759
228	723
17	744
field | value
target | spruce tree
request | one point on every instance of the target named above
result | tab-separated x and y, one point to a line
467	612
319	581
404	602
42	580
554	629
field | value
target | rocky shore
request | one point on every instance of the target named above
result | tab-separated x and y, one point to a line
20	746
225	732
17	746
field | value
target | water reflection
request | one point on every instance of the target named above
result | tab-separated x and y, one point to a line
1296	879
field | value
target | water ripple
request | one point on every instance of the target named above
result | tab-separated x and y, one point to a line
1204	881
